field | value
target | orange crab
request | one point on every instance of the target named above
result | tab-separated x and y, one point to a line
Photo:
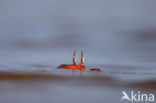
77	66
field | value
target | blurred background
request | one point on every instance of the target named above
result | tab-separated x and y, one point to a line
115	32
119	37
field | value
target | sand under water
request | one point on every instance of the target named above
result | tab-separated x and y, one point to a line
68	86
30	74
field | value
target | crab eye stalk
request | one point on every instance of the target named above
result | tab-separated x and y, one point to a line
82	58
74	59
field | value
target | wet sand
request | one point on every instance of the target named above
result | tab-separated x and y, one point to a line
38	87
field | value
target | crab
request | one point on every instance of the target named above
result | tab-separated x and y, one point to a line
79	66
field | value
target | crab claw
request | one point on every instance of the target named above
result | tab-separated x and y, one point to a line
96	69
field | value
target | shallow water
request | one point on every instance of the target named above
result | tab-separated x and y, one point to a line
47	87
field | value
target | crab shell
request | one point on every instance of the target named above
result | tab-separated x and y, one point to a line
71	66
